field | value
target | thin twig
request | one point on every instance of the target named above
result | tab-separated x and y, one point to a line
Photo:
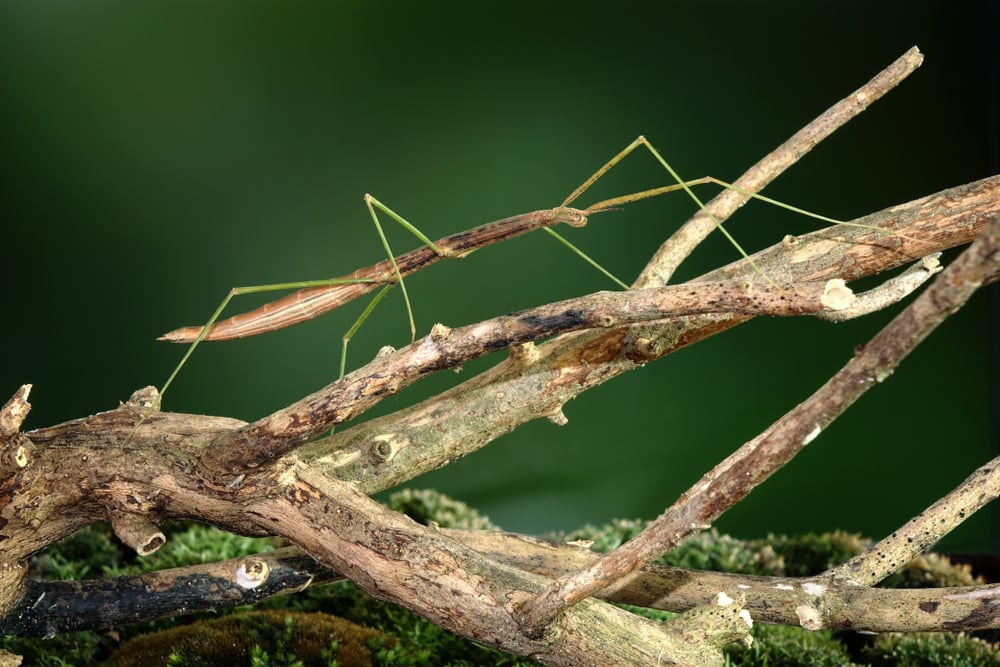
278	434
732	479
891	291
666	260
523	389
923	530
14	411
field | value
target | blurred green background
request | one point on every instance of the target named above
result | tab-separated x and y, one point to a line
156	154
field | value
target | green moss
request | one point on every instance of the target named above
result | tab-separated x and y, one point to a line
420	642
77	556
721	553
426	506
190	543
95	550
74	649
404	639
276	638
607	537
705	551
809	554
932	571
789	647
930	648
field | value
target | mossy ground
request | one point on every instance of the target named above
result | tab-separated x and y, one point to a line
340	625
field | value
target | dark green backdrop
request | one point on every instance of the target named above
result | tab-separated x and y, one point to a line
156	154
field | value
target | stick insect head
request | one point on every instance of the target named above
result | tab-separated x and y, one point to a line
574	217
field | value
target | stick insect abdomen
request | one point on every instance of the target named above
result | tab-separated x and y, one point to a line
314	301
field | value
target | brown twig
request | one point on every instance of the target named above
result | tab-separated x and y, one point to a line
666	260
732	479
538	383
942	220
276	435
923	530
891	291
15	449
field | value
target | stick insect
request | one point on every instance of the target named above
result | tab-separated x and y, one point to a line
316	297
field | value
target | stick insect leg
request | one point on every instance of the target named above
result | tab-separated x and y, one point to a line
238	291
801	211
679	184
372	204
624	199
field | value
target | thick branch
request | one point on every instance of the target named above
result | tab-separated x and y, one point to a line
538	382
53	607
276	435
394	558
732	479
385	553
198	467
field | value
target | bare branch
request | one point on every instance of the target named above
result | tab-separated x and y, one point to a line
891	291
840	604
276	435
15	449
732	479
913	230
14	411
923	530
679	246
394	558
52	607
136	465
528	385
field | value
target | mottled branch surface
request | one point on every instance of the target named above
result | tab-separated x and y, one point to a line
136	466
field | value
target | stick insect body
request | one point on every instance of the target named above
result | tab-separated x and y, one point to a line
327	295
320	296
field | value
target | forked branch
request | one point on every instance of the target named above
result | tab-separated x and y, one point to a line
136	466
677	248
540	382
732	479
